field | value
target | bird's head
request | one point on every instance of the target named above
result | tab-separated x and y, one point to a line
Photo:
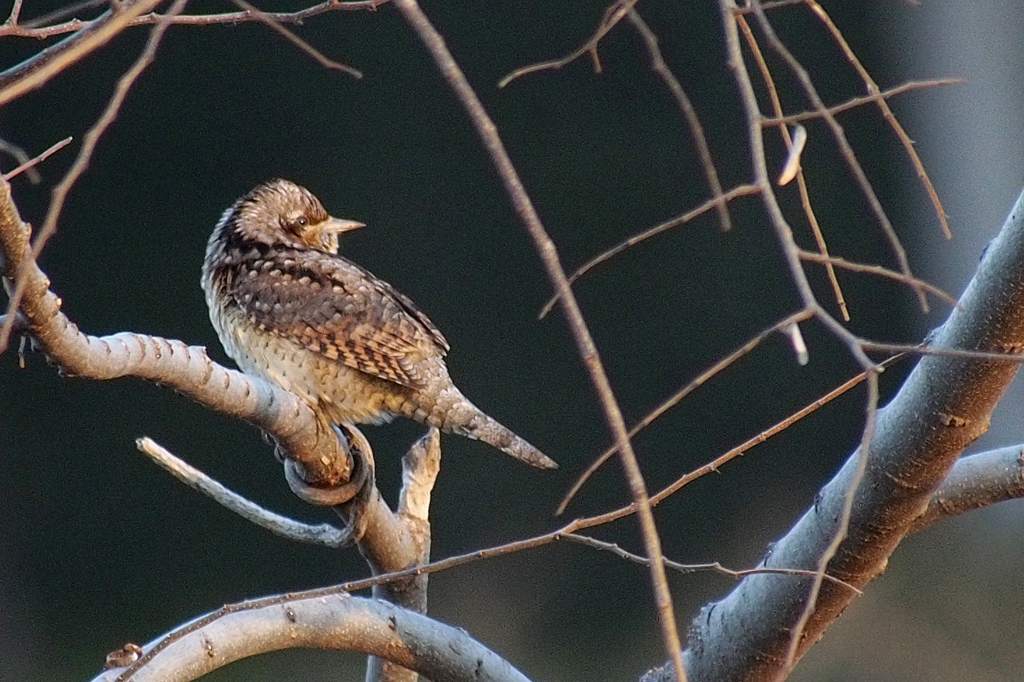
281	213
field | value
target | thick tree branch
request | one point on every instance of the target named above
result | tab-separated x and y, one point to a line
388	551
943	406
341	622
977	481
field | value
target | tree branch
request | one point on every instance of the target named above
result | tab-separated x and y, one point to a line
523	206
943	406
323	534
186	369
977	481
342	622
41	67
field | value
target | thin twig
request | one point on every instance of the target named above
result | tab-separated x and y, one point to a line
29	164
89	142
39	69
1013	354
585	344
321	59
322	534
881	271
67	11
861	101
664	406
19	155
887	113
805	199
768	5
718	462
682	219
713	566
842	142
805	193
612	16
842	526
689	113
41	31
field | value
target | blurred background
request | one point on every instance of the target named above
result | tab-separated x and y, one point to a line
100	547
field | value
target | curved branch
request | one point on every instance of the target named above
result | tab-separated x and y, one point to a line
186	369
323	534
342	622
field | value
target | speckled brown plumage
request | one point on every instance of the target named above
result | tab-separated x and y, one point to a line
289	309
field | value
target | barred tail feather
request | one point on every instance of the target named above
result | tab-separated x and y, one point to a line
487	429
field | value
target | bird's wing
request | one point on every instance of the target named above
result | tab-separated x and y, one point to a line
332	306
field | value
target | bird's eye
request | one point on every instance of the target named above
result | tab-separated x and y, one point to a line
294	223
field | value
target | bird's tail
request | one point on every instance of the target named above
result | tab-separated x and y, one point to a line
480	426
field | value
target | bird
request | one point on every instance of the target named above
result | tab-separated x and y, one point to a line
289	309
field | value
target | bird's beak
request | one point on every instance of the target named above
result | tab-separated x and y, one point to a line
339	225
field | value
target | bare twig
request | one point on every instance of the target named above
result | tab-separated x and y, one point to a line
615	13
840	137
39	69
719	366
861	101
66	11
30	164
880	271
682	219
689	113
320	58
322	534
875	94
21	156
1012	353
585	344
713	566
721	460
805	194
39	30
89	142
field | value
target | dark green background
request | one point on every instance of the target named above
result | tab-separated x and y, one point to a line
99	547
